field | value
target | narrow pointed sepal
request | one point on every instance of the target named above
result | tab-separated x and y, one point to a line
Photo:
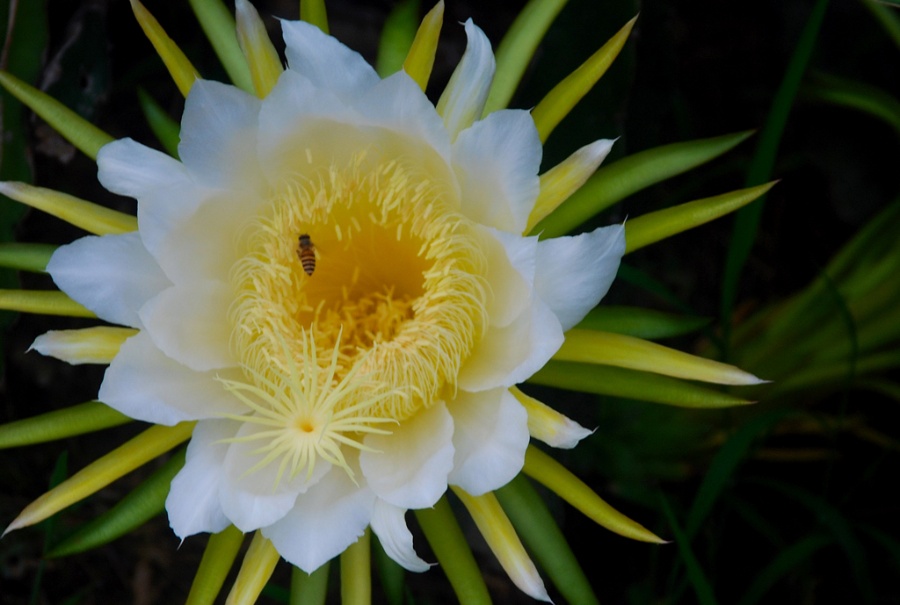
42	302
98	344
503	541
218	25
420	59
180	68
256	569
313	12
558	479
103	471
547	425
606	348
356	571
74	420
218	558
83	214
26	257
565	95
265	64
75	129
564	179
655	226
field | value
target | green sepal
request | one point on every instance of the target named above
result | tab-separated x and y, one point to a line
453	553
656	226
641	323
309	589
631	384
613	183
139	506
397	37
516	49
217	561
314	12
167	130
75	129
855	95
391	574
26	257
218	25
545	541
74	420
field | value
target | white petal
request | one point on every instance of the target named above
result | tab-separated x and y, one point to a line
389	525
323	523
510	354
144	384
193	501
490	437
463	100
325	61
256	497
497	162
190	324
409	467
128	168
574	273
509	275
112	275
218	136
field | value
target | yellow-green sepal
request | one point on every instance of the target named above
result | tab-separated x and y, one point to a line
218	559
615	182
545	541
309	589
139	506
43	302
517	48
218	25
60	424
397	37
656	226
167	130
82	134
631	384
26	257
313	12
453	553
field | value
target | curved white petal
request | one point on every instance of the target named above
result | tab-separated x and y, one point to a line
218	136
574	273
190	324
325	61
463	100
141	382
112	275
490	437
252	496
323	523
129	168
497	162
510	274
409	467
193	502
510	354
389	525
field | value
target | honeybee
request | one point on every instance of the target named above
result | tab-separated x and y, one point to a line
306	251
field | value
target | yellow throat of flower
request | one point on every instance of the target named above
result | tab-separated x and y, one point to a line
361	279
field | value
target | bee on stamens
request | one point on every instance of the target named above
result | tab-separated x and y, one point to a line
306	251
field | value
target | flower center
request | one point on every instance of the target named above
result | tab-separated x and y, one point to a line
367	263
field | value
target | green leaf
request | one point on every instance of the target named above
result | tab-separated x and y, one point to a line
397	37
167	130
453	553
747	220
74	420
702	587
855	95
785	562
613	183
26	257
655	226
631	384
139	506
545	541
641	323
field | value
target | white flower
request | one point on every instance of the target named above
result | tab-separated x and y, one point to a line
335	397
